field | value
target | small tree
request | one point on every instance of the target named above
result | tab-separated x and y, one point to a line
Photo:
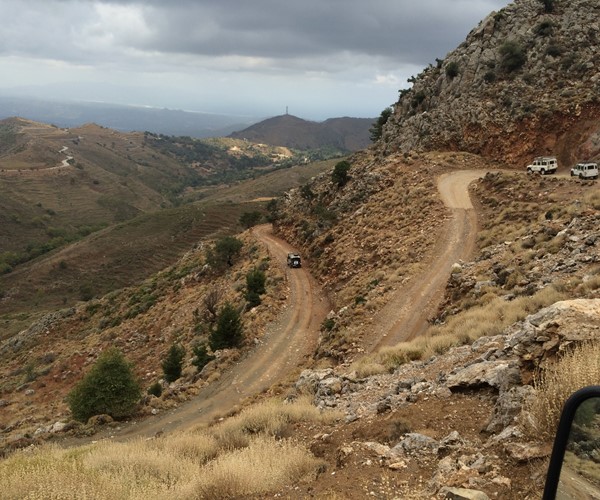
249	219
108	388
340	173
229	329
201	356
255	286
173	362
377	129
223	252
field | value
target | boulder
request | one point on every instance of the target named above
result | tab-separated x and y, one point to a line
508	407
499	374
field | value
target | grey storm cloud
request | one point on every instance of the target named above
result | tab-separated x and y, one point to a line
324	57
395	30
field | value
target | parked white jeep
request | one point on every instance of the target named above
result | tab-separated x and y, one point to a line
587	170
543	164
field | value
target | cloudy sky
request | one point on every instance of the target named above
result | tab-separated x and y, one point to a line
321	58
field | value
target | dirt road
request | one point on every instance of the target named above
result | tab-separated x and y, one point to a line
294	336
405	316
285	345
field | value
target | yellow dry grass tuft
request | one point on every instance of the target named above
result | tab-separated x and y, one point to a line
267	418
577	368
487	319
265	465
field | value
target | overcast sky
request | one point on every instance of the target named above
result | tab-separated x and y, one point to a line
322	58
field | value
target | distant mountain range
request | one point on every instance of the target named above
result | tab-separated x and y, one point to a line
342	134
346	134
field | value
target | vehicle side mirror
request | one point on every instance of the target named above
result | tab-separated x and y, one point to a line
574	469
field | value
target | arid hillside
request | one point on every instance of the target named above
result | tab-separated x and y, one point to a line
88	211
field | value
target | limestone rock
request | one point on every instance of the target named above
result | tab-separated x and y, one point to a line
497	374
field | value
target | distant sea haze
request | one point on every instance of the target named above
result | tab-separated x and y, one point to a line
125	118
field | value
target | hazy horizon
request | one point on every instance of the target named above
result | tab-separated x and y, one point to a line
320	59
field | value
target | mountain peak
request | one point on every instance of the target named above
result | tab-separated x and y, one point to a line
344	134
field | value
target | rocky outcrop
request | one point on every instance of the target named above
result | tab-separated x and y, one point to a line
499	364
525	82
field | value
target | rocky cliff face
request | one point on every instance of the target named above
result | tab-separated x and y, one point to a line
524	83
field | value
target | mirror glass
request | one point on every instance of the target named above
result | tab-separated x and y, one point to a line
580	472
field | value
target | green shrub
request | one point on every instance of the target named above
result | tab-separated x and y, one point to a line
324	215
155	389
554	50
512	56
452	70
228	331
306	192
173	362
377	129
86	292
359	299
340	173
249	219
328	324
223	252
201	356
108	388
255	286
545	28
489	76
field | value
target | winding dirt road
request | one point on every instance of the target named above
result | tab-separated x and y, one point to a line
293	338
405	316
285	346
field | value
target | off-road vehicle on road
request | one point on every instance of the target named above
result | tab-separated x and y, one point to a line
293	260
544	165
586	170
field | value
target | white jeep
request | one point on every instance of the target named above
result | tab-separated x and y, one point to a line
586	170
543	164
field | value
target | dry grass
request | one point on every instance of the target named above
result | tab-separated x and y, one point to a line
268	418
487	319
265	465
577	368
202	464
